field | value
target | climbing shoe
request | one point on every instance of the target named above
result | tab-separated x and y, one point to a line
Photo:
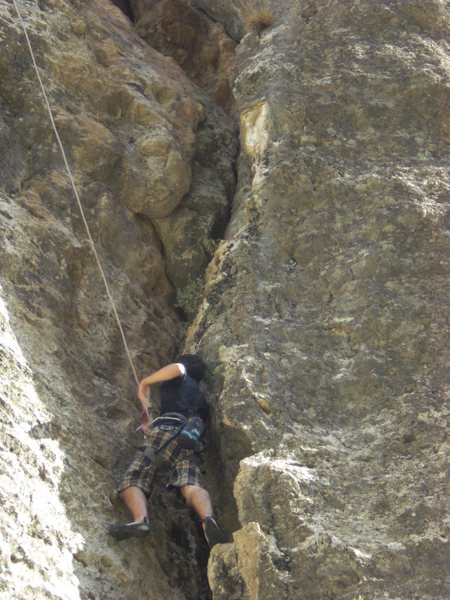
123	531
213	534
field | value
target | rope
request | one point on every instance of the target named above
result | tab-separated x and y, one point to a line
69	172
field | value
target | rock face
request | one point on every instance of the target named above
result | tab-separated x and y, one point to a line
200	46
152	156
324	311
325	307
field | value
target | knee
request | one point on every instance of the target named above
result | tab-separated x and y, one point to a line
191	492
187	492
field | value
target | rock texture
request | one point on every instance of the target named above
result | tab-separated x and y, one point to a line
200	46
325	305
152	156
232	14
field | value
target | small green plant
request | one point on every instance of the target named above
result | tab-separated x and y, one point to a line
218	371
258	14
209	246
190	296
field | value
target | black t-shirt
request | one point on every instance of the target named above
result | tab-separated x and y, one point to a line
182	395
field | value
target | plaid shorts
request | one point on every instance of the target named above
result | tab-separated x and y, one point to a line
180	464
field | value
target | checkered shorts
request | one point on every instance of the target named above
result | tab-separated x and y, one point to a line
180	464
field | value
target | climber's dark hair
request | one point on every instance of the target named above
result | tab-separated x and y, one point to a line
195	366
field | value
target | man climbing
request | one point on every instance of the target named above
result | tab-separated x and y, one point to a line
181	399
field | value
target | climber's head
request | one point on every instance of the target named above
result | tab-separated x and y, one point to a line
195	366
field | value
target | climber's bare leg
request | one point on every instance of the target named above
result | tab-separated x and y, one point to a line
136	502
199	499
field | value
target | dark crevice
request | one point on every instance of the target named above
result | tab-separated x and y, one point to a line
125	7
226	446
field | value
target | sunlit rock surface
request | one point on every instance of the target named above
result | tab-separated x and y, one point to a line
326	307
136	132
324	316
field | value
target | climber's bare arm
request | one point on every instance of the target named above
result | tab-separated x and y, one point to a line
169	372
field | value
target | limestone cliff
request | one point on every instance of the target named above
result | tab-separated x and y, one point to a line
152	156
326	306
323	318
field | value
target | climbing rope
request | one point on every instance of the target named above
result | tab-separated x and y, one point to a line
69	172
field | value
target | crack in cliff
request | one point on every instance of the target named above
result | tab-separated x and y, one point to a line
228	445
125	7
351	499
56	298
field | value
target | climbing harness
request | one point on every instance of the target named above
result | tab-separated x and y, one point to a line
75	191
188	431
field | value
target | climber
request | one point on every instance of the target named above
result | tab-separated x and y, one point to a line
162	448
